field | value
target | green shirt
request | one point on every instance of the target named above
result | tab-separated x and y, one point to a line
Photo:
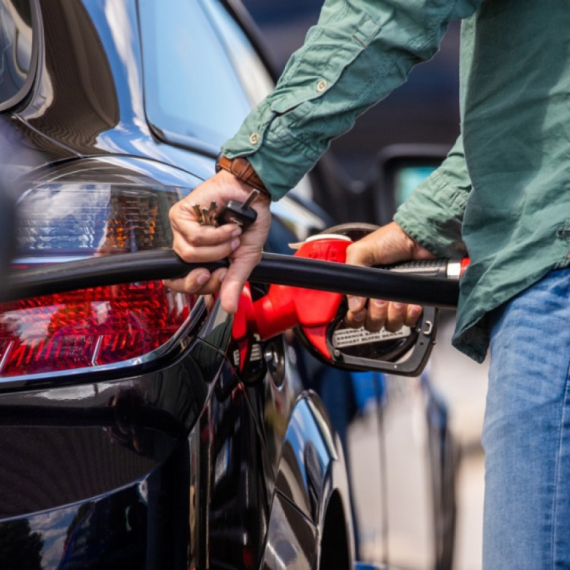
503	193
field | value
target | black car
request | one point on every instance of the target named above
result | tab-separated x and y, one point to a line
134	433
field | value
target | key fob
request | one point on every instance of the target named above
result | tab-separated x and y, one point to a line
235	213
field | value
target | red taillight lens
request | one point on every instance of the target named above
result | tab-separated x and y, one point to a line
64	220
93	327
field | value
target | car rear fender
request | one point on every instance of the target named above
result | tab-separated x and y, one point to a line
312	498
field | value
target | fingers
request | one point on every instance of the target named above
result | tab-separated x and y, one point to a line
356	304
231	292
198	282
198	254
413	315
242	264
396	316
196	235
379	314
386	245
245	258
357	319
356	314
389	244
196	243
229	281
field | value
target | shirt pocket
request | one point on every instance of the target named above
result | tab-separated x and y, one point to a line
323	63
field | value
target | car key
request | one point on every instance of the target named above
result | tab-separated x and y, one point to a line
205	216
240	213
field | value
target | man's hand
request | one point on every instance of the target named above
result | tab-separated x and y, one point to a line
389	244
196	243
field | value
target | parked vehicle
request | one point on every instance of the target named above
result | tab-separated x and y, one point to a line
131	436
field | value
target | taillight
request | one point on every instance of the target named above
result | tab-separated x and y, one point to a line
93	327
98	326
93	219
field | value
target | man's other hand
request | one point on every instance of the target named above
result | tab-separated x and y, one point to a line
387	245
195	243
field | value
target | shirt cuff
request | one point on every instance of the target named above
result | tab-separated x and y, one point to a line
278	158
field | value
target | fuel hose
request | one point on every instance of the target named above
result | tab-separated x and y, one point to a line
379	283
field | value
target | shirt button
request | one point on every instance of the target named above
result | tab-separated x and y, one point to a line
254	138
322	85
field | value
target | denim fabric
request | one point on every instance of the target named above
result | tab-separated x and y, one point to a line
527	431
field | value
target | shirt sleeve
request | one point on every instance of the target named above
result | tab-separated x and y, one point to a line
359	51
433	214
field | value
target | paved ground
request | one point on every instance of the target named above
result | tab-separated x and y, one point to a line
463	384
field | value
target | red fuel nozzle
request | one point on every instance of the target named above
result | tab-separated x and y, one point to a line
286	307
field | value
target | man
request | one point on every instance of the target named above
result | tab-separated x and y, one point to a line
502	195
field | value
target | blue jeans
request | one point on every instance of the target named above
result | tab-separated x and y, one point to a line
527	431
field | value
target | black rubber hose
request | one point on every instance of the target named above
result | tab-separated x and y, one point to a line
273	268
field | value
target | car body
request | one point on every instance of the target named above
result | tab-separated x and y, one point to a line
135	432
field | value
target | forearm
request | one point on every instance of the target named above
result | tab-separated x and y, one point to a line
358	53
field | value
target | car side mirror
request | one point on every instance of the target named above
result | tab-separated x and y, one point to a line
399	169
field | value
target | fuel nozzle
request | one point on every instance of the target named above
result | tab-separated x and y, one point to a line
285	307
318	315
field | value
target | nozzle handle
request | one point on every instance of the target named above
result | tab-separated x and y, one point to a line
437	268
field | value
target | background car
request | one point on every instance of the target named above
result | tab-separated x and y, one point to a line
134	432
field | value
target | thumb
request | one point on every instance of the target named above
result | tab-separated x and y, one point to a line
238	273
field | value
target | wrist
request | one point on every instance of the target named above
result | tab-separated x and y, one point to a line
239	189
243	171
408	244
414	248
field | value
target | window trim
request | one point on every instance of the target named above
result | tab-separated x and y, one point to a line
30	80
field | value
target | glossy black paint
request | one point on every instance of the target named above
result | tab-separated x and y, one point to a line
179	464
81	458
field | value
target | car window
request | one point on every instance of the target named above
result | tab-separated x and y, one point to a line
191	85
16	35
250	68
202	74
